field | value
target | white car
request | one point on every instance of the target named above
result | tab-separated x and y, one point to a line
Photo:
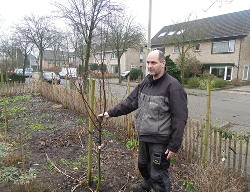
51	77
125	73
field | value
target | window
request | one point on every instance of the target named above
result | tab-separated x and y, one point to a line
171	32
223	46
180	32
141	49
197	47
113	56
245	73
162	34
222	72
141	60
176	49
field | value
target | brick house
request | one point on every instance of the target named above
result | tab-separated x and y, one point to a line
60	59
130	59
221	43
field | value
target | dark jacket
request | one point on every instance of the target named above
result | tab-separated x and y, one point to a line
162	110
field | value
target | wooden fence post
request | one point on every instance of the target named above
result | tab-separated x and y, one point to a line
247	143
129	115
207	128
215	144
229	152
91	123
235	144
240	155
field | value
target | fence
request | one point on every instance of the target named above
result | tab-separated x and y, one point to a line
17	88
228	148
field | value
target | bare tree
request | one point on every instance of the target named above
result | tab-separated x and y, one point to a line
84	16
40	31
185	37
25	46
218	2
9	55
124	33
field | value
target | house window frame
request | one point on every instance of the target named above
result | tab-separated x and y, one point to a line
225	75
247	73
113	55
175	49
197	47
229	49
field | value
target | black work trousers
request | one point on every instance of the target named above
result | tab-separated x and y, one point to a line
153	165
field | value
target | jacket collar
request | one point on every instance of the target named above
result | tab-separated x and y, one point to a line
150	79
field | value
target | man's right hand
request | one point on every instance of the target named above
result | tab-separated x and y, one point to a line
104	115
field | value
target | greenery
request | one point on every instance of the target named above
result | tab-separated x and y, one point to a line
201	82
219	83
189	185
102	67
93	66
193	82
13	77
15	175
40	127
132	144
4	150
172	68
135	74
81	121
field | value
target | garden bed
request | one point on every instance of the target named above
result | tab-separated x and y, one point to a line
53	144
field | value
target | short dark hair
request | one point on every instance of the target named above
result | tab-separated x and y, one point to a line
161	56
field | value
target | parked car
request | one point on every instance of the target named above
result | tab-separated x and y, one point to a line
51	77
70	72
28	72
125	74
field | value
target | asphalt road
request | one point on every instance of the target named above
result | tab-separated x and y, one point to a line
230	108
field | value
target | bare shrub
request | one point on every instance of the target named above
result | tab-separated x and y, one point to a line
216	178
12	158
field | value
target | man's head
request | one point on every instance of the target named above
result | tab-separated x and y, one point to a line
156	64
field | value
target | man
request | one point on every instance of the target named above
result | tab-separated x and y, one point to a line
162	114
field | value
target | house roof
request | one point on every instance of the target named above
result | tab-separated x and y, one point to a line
60	55
229	25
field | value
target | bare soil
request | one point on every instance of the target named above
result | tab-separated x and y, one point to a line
63	142
58	151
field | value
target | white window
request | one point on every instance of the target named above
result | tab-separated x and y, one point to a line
113	56
171	32
223	46
175	49
162	34
180	32
245	73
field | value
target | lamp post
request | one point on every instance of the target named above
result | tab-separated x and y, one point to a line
149	33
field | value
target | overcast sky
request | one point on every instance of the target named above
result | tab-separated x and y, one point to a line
164	12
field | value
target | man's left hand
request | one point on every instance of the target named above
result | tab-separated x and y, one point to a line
170	154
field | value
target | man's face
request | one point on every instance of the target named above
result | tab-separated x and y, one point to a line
155	67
